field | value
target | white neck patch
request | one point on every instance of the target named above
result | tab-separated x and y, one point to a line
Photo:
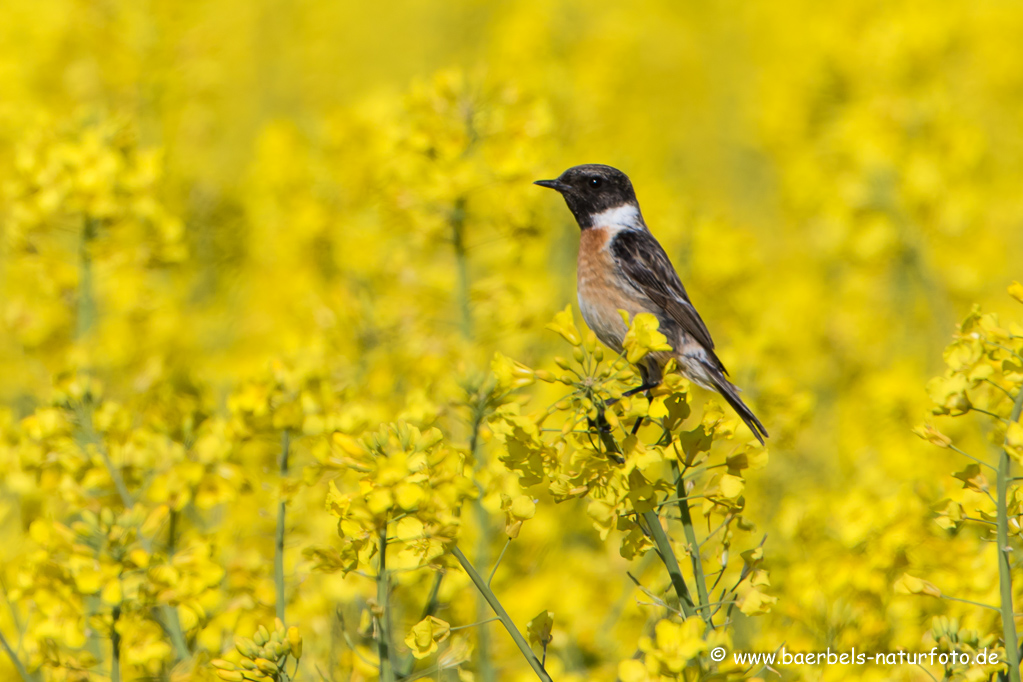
619	217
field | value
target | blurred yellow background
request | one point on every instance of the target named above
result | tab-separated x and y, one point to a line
196	195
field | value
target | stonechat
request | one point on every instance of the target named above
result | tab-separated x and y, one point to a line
623	267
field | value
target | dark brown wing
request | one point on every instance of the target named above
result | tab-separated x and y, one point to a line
644	263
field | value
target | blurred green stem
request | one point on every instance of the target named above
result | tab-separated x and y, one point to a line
478	406
18	665
383	620
694	545
462	263
165	615
279	540
1004	559
86	313
484	667
506	620
172	625
115	646
87	436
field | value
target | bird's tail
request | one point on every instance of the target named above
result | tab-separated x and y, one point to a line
731	395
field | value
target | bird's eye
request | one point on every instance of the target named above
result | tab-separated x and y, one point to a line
596	182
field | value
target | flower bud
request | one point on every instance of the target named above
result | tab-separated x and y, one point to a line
246	647
296	641
268	667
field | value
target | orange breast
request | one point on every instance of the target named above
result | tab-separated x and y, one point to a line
601	291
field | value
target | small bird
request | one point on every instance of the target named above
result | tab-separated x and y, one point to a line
623	267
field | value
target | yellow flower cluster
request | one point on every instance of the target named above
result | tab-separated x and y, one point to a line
984	375
405	477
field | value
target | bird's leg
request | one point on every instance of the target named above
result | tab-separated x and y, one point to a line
646	386
600	423
603	428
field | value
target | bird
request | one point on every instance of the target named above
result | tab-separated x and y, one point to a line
622	266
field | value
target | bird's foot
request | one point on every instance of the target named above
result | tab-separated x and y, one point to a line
601	425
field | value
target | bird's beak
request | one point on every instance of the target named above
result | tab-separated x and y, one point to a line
553	184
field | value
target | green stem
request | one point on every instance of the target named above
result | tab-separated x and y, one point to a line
685	599
18	665
115	647
970	602
497	564
279	540
653	522
694	545
1004	564
506	620
383	621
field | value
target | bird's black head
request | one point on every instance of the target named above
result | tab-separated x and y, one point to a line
592	189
